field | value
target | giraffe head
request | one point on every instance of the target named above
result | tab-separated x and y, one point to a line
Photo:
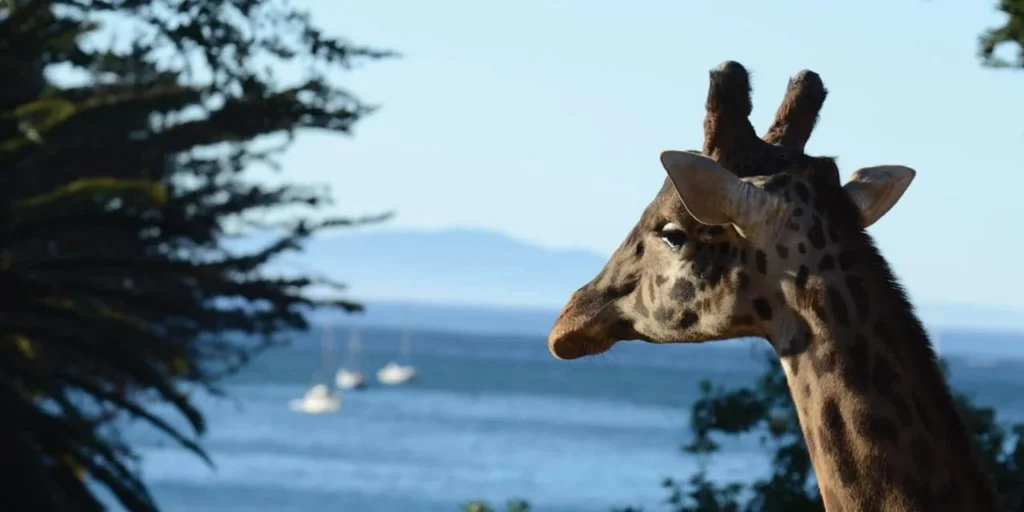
713	252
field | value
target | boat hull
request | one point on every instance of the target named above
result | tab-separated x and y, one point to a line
350	380
393	374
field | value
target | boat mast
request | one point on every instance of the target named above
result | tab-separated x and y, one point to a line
354	351
406	346
326	348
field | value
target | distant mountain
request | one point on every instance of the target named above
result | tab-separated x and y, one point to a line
431	276
455	266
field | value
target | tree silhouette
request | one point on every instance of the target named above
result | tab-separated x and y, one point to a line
767	409
126	129
1009	37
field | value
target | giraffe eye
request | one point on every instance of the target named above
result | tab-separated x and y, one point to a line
672	235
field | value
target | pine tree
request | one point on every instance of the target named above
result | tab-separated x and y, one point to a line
122	184
1008	37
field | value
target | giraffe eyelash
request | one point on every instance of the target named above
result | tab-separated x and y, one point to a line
673	235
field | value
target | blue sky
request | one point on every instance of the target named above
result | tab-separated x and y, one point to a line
544	119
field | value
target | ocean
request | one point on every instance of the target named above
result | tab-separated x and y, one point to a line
488	417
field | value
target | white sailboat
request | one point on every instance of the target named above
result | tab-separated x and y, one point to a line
350	376
396	372
316	400
319	398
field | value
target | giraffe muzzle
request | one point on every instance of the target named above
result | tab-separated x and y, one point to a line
574	334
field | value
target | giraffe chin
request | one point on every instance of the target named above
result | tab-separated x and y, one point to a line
576	344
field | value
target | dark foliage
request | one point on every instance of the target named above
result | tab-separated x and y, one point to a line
122	182
1006	38
767	410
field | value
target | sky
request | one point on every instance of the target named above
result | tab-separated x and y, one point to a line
544	119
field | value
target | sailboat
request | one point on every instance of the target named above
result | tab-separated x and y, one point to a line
395	372
350	376
316	400
319	398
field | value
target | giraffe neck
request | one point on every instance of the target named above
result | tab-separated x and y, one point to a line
880	423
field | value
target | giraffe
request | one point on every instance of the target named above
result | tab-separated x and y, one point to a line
754	238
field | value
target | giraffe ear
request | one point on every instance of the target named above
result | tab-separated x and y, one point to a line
875	190
714	195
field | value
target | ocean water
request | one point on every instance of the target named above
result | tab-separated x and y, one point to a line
489	417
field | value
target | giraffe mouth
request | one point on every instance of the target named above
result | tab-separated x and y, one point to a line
577	344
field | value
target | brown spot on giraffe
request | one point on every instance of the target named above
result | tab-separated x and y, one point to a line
827	263
879	420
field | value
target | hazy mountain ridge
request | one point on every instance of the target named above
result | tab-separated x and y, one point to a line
460	266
